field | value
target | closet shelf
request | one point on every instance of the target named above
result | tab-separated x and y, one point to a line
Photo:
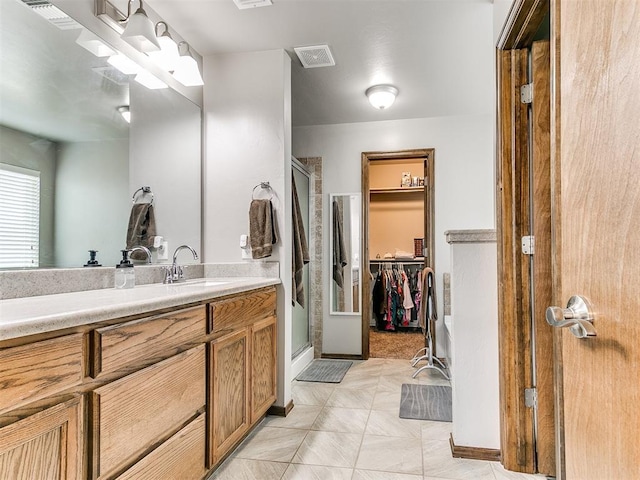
397	190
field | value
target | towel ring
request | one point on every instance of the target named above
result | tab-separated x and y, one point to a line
265	186
144	191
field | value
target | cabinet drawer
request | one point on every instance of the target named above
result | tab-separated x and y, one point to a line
238	311
182	456
37	370
132	415
120	346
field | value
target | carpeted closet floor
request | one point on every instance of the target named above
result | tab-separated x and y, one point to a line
402	345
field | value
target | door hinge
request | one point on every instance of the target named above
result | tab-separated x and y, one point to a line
528	245
526	93
530	397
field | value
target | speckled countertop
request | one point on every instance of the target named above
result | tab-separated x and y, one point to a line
20	317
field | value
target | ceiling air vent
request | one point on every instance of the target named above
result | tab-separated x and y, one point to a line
53	14
242	4
315	56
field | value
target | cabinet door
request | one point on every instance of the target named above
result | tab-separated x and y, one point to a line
263	367
47	445
229	406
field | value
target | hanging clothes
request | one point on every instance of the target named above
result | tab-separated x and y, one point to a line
395	295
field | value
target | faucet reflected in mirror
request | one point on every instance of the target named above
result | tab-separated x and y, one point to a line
175	272
141	248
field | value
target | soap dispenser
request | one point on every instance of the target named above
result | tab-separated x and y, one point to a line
92	259
125	277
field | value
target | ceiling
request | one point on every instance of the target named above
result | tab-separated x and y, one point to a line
412	44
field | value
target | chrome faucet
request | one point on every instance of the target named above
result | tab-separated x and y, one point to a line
141	249
175	273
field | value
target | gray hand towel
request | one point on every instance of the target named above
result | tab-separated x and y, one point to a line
263	232
141	229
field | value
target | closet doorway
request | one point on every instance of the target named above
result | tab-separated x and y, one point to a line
398	225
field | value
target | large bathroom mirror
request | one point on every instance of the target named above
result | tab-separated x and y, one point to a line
344	246
61	122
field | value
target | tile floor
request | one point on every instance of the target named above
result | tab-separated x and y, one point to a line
351	431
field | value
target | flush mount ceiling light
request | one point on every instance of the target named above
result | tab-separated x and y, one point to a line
126	114
187	71
167	57
381	96
140	31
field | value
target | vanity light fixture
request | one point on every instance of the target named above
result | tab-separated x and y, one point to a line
381	96
149	80
140	31
187	71
125	112
167	57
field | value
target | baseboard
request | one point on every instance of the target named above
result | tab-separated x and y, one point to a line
279	411
341	356
474	453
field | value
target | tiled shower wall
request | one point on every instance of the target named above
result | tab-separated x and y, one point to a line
314	165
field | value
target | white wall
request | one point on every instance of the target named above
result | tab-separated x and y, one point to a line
463	185
92	201
247	121
475	377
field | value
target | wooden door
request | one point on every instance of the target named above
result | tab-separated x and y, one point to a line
597	221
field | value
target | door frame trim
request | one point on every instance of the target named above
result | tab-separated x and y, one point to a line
515	349
428	154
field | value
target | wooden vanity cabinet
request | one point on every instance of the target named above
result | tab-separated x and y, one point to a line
242	381
165	396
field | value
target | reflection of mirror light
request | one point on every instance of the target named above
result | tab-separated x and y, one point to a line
125	112
187	71
93	44
140	32
150	81
168	56
124	64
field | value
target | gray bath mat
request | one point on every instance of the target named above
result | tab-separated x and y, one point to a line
325	371
426	402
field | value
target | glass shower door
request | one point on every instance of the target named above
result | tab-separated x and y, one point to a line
301	338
